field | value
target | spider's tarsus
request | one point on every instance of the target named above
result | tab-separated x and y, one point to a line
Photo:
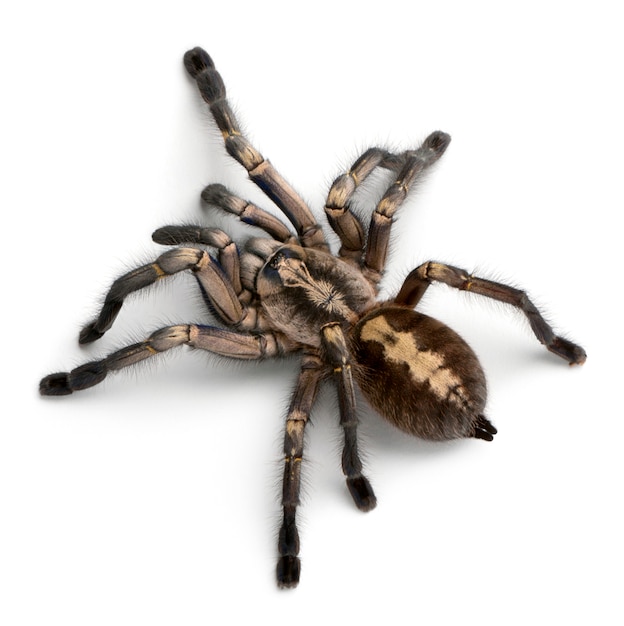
55	385
88	334
64	383
216	194
573	354
438	141
362	493
196	60
288	571
201	67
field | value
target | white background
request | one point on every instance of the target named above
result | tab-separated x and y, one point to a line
154	498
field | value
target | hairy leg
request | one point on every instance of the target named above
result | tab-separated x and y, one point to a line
335	347
228	255
219	196
345	224
211	277
289	565
212	89
381	222
419	280
216	340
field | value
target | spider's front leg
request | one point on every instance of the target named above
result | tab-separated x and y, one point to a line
212	89
227	343
419	280
335	347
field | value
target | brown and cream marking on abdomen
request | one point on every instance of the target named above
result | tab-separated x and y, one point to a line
424	366
418	373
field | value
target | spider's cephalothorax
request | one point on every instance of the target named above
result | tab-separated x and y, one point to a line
286	293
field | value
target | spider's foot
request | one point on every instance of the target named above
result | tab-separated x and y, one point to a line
89	334
288	571
55	385
362	493
64	383
573	354
201	67
484	429
438	141
196	60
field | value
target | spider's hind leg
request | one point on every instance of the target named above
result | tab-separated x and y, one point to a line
418	281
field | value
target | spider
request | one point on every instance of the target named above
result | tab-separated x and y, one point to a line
286	294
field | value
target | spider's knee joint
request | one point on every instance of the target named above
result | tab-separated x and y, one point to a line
169	337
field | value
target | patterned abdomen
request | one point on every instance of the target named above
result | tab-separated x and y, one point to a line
418	373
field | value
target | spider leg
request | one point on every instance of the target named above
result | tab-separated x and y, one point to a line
381	222
419	280
212	89
289	565
211	277
335	347
217	195
217	340
228	255
345	224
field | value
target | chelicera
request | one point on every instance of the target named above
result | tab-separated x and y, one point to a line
286	293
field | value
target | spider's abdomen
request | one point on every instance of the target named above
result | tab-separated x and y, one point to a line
418	373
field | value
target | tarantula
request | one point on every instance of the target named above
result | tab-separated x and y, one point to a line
288	294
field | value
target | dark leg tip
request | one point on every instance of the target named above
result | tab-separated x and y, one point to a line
55	385
573	354
215	194
362	493
288	571
438	141
175	235
88	334
196	60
